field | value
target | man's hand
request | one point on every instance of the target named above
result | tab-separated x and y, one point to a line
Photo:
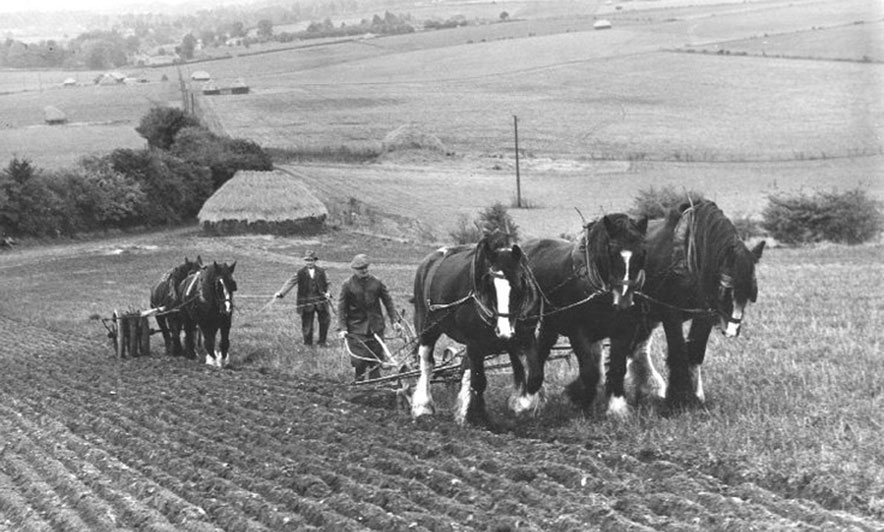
397	327
342	334
278	295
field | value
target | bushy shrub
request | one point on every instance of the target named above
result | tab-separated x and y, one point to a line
850	217
223	156
656	202
494	217
175	189
28	206
160	125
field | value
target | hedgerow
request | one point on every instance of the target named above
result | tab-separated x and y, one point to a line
655	202
850	217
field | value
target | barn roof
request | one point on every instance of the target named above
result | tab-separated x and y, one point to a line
602	24
252	196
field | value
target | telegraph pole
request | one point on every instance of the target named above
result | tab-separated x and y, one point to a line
518	178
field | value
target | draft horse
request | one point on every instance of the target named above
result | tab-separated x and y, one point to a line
483	297
166	298
207	296
587	286
698	270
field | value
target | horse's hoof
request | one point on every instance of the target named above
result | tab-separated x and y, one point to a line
618	409
418	411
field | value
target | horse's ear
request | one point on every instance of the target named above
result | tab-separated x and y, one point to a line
609	225
758	250
232	266
642	225
199	260
517	252
215	263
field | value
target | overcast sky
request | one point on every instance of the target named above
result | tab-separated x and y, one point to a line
156	6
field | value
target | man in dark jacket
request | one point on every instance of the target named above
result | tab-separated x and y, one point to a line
313	298
360	319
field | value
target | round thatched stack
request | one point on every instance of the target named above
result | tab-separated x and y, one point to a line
262	202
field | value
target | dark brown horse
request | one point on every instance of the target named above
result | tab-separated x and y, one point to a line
207	296
698	270
481	296
165	297
587	286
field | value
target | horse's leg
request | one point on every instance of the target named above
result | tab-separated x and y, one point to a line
614	377
528	393
224	344
680	391
209	344
174	323
470	403
422	399
167	336
582	391
698	336
189	338
641	375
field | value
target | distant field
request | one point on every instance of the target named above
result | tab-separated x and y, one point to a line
436	194
100	119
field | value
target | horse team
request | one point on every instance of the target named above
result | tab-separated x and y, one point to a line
618	281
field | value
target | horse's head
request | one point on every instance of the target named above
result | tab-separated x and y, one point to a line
223	285
616	250
501	272
184	269
737	286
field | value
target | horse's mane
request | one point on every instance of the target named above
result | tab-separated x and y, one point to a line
716	242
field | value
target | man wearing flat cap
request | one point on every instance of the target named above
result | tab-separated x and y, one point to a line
360	319
313	298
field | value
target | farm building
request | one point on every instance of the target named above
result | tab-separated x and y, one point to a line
53	115
210	88
239	87
262	202
602	25
69	82
200	75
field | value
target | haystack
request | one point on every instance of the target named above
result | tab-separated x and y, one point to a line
200	75
262	202
602	24
411	137
53	115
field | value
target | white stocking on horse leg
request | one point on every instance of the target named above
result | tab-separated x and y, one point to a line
422	400
642	375
697	382
462	404
618	408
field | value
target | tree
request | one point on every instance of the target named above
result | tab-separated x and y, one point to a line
188	45
265	28
504	16
160	125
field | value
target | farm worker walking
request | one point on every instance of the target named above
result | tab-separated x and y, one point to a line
360	320
313	298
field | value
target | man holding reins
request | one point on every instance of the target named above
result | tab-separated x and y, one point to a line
313	298
360	319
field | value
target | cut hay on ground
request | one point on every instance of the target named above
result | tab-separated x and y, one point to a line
263	202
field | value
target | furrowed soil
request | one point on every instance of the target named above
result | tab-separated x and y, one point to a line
91	442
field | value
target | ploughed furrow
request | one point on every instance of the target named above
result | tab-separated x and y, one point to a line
108	479
138	495
16	511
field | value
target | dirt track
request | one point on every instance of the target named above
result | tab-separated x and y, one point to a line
91	443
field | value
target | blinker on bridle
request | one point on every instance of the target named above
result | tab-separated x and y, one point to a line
727	283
